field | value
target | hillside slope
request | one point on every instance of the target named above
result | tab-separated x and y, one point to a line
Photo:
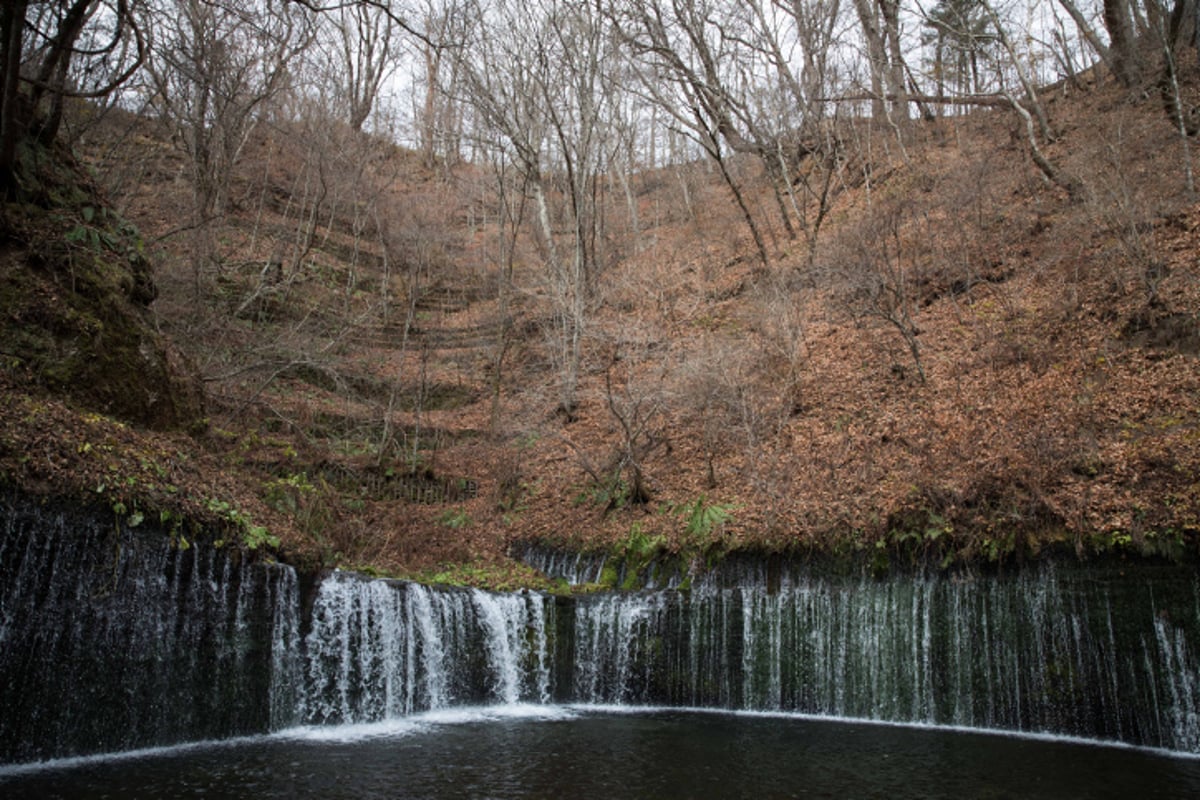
963	365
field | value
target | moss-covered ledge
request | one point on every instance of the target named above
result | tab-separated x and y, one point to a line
75	288
622	569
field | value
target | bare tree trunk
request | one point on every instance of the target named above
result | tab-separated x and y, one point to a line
776	169
1088	32
890	10
12	23
1031	95
868	17
1124	60
1185	21
1173	100
428	122
1071	184
715	152
630	202
509	221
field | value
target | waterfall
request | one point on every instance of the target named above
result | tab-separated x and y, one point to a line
614	640
1088	652
378	649
283	603
580	569
1180	672
574	568
112	637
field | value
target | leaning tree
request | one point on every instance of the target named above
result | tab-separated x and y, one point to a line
51	51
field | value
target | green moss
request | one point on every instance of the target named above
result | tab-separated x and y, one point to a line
74	287
610	574
633	578
494	576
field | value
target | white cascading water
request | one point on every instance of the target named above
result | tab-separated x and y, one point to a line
429	622
514	637
380	649
1181	674
286	667
118	639
613	635
762	638
574	568
539	610
112	637
1084	655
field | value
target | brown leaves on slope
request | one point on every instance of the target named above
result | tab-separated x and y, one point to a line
1058	406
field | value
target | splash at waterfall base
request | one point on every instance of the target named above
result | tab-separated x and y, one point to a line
113	638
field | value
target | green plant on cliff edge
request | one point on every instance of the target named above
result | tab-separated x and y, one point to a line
253	536
639	545
703	519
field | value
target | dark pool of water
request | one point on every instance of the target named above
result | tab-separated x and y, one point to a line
538	752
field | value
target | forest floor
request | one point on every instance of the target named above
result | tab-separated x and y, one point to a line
962	365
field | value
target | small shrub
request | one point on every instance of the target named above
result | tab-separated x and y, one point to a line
456	518
703	519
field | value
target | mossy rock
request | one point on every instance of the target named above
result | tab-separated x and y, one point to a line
74	297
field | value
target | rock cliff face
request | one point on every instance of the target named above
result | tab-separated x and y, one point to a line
75	289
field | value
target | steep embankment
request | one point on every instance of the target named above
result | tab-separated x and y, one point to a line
961	364
97	404
75	289
970	365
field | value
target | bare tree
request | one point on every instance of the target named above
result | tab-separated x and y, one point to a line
1124	57
532	73
880	25
750	78
1185	118
512	197
688	57
215	65
804	156
365	45
1088	31
54	49
637	405
882	276
439	100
